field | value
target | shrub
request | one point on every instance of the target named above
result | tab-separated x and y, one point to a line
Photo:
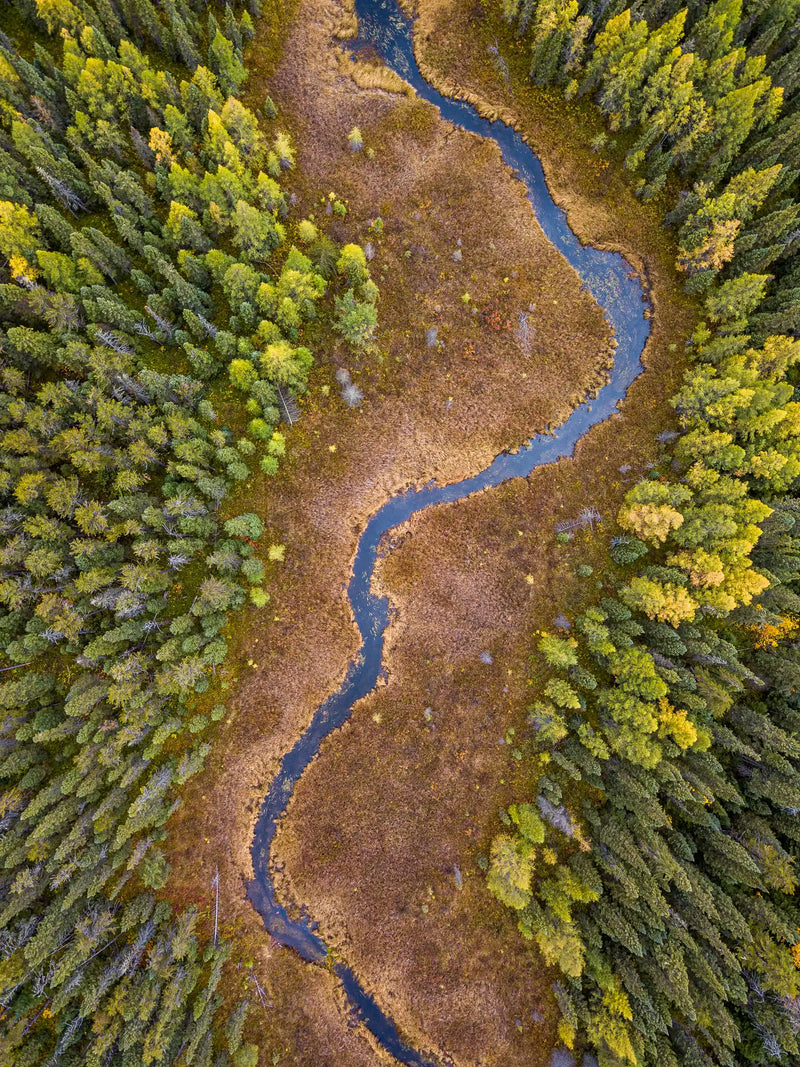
355	321
559	652
242	374
510	871
245	525
253	570
352	264
627	550
307	231
259	429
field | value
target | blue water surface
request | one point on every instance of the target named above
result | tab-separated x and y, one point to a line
612	282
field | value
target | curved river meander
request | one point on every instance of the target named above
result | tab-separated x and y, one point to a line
609	278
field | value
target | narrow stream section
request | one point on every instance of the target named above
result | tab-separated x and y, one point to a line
609	277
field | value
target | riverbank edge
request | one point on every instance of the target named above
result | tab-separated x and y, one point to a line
569	199
640	263
653	277
450	474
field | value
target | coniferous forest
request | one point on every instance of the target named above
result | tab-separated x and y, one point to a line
150	268
670	721
157	285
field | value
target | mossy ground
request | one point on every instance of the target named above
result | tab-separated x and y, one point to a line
395	803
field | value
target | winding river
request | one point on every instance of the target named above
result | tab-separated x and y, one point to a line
610	279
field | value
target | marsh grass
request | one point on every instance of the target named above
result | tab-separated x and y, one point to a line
393	805
372	75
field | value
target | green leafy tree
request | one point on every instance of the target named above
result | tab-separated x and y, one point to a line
510	870
226	64
356	320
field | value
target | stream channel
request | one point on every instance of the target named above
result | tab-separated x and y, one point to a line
610	278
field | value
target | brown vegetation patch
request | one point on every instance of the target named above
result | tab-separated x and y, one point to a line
392	807
372	75
415	799
452	39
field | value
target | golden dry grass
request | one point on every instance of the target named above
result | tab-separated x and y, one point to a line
372	75
347	27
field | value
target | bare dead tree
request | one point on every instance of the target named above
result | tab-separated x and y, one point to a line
63	192
589	516
165	327
289	409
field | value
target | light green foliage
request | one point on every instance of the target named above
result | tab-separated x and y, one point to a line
652	509
692	659
672	915
225	63
735	299
284	364
562	890
561	693
561	945
277	444
259	429
154	869
247	525
352	265
307	231
254	232
242	373
558	36
559	652
19	231
664	601
548	721
283	150
635	672
708	235
246	1056
510	869
154	172
528	821
356	320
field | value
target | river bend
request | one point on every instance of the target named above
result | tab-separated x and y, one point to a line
612	282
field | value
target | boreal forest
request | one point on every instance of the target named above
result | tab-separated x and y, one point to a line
400	533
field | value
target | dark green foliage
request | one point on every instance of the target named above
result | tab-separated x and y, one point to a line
116	573
688	742
627	550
